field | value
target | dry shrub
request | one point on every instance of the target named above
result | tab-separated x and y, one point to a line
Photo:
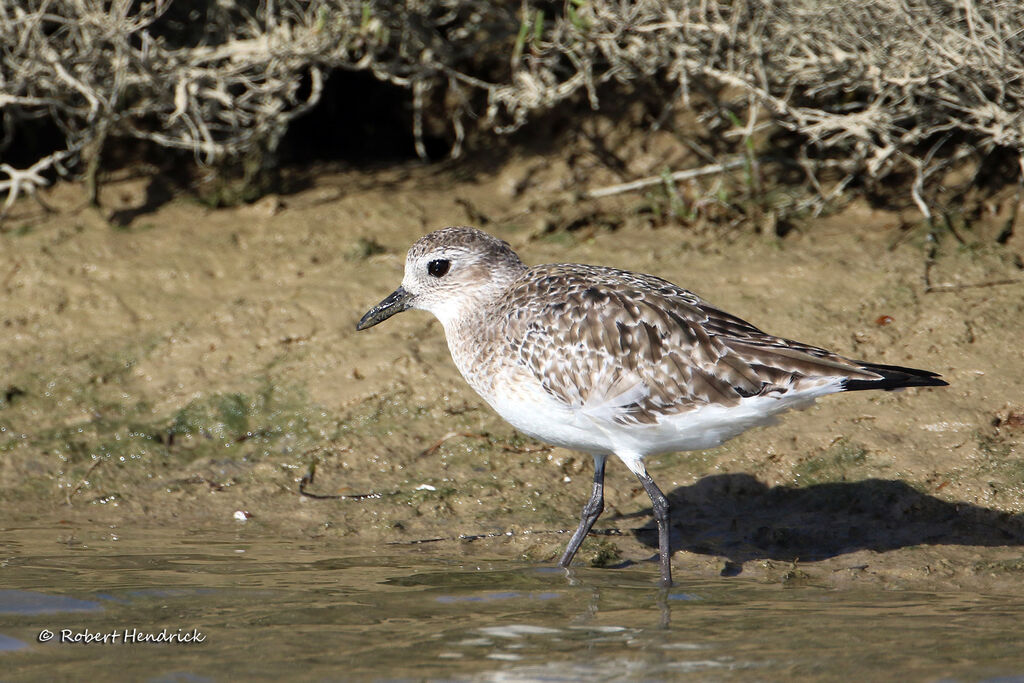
871	88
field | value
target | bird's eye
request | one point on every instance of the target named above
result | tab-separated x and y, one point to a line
439	267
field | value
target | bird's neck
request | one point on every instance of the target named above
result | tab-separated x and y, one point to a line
473	337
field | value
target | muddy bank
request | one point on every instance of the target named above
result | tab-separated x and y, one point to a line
193	365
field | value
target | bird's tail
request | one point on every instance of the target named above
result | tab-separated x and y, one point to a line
894	377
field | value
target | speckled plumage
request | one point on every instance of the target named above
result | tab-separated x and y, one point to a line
612	362
584	329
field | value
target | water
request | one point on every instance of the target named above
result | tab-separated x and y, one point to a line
244	606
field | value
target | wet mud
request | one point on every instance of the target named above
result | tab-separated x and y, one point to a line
193	366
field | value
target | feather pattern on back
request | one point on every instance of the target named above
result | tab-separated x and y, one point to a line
594	337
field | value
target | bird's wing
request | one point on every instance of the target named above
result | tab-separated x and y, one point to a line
633	348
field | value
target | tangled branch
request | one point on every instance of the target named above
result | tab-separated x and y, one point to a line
880	87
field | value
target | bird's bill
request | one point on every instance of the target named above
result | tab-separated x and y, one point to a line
396	302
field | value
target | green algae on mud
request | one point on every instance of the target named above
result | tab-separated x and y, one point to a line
841	461
121	450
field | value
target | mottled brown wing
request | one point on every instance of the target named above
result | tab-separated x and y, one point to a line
633	348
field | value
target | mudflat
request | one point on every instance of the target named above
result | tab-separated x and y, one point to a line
189	366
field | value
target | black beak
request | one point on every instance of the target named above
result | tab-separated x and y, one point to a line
396	302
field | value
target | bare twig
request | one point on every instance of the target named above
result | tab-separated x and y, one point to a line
310	476
957	287
85	479
677	176
447	437
29	179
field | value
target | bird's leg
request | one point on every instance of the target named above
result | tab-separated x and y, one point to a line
591	511
660	505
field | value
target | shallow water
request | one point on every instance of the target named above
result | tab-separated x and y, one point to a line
272	608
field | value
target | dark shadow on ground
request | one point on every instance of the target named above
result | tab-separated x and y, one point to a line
158	192
737	517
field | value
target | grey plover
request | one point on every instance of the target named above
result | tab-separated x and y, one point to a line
606	361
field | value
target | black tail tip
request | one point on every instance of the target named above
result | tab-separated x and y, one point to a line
895	377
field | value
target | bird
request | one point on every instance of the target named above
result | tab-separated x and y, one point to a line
612	362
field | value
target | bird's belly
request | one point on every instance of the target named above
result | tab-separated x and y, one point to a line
524	404
552	423
531	410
